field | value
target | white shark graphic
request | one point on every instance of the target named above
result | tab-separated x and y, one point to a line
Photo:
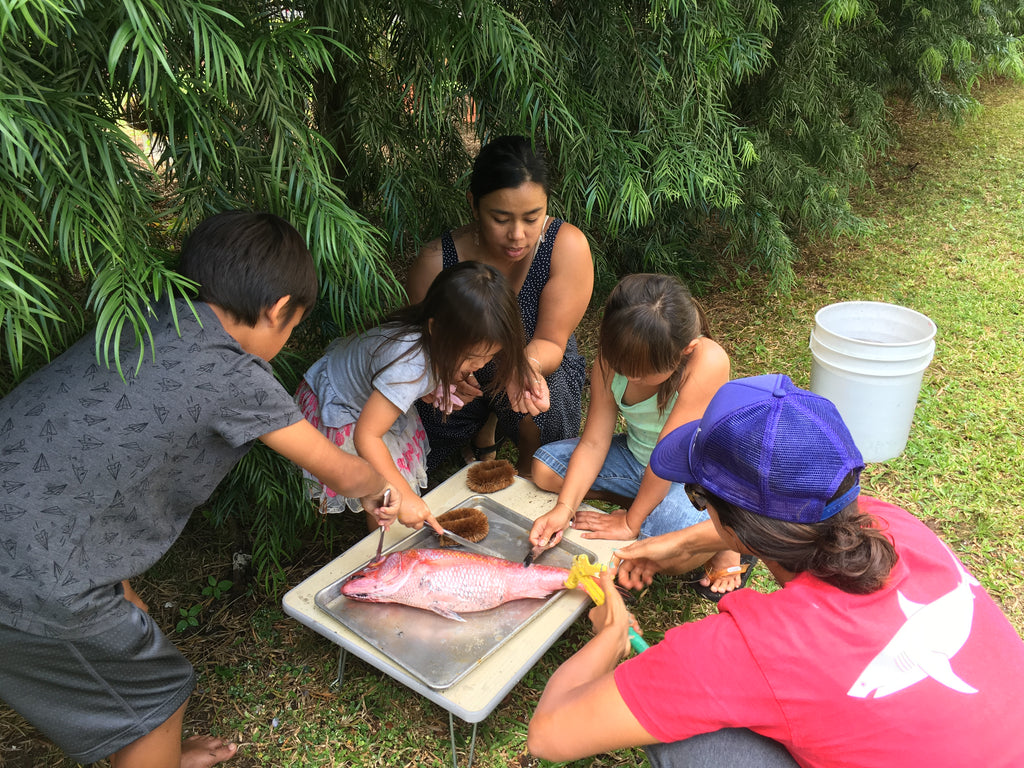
933	633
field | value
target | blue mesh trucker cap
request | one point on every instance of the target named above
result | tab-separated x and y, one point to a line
768	447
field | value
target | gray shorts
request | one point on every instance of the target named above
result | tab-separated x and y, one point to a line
95	695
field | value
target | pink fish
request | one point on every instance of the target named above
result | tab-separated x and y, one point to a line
447	581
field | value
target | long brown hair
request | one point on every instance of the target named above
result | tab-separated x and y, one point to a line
849	550
649	319
472	306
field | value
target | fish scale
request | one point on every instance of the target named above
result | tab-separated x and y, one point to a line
449	582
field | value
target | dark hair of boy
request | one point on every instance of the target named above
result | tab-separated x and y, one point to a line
245	262
847	550
472	307
506	162
649	319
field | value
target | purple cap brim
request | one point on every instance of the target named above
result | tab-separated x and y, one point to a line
671	457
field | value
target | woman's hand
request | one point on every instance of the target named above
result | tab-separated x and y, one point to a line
533	399
612	616
638	573
604	526
642	559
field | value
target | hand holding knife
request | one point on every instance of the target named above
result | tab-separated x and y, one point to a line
383	529
540	549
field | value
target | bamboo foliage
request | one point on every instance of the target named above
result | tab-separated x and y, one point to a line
676	130
122	125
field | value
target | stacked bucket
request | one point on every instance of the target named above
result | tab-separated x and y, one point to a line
869	358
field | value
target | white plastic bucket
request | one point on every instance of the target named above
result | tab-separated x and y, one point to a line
868	358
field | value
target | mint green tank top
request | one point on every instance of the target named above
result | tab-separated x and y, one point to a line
643	421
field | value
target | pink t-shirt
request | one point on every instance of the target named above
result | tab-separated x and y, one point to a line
927	671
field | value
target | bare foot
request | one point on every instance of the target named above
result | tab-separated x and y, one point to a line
720	567
205	751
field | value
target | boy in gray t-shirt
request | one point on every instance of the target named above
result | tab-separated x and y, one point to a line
99	474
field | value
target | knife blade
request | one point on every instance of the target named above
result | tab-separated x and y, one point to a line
472	546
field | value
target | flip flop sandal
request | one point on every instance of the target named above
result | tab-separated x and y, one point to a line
747	563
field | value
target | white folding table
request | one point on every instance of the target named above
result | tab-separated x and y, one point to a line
474	696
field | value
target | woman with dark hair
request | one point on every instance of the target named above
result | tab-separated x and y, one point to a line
880	649
548	263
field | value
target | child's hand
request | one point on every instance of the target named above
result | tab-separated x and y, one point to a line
604	526
468	389
385	514
548	528
415	512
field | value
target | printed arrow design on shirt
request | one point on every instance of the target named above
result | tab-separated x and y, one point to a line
18	447
89	443
924	646
9	513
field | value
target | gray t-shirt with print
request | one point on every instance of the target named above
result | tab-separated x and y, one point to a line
99	474
382	359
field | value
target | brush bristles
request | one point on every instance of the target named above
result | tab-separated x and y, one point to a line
468	522
490	476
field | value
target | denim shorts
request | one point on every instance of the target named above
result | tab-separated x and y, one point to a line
621	474
91	696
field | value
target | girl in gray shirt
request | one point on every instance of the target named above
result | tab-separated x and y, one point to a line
362	392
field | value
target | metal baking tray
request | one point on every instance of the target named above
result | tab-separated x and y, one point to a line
438	651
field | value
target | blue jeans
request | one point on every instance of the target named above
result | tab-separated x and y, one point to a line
621	474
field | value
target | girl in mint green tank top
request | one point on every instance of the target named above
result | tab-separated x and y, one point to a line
657	368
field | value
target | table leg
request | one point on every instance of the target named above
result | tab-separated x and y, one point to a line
342	658
472	742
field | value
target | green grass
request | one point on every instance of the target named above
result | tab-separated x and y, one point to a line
948	213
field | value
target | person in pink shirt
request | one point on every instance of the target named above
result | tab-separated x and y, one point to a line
880	649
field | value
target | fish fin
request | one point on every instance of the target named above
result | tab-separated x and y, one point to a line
446	612
908	606
936	666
